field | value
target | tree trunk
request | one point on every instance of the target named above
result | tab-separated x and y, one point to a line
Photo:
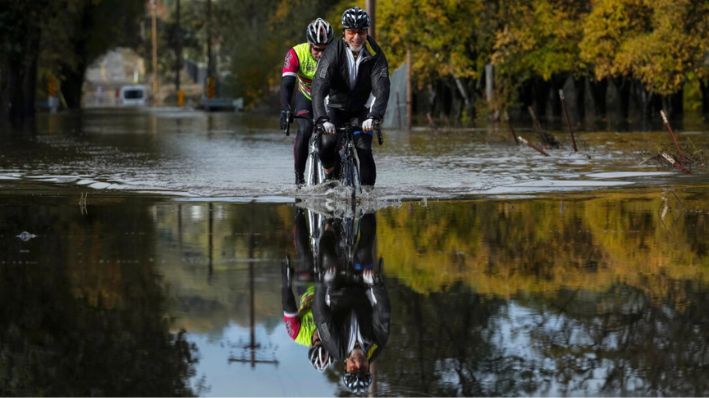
23	79
541	96
598	93
4	90
704	86
623	86
580	86
677	103
72	86
557	83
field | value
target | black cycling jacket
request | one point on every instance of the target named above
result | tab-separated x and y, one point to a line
331	78
332	317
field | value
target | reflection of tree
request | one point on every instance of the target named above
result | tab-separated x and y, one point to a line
504	247
622	343
619	342
444	345
87	315
205	303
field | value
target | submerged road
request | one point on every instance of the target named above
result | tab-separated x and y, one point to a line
242	157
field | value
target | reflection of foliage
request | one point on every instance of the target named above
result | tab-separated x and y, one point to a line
622	341
444	345
615	342
504	247
87	317
207	300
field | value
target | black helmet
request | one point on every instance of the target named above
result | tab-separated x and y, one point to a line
355	18
357	383
319	32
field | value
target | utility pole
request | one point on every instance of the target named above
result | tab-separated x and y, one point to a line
252	346
371	10
409	93
154	9
211	83
178	53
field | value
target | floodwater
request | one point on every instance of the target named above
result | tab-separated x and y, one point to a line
142	254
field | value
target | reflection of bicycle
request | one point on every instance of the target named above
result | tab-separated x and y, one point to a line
346	229
349	161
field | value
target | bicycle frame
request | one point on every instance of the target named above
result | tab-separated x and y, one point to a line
349	161
314	173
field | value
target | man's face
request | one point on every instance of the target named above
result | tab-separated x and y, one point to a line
355	38
317	50
357	362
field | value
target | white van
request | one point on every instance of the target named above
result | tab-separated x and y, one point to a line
135	95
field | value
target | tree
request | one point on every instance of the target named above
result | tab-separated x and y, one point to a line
659	43
20	30
444	38
539	45
92	28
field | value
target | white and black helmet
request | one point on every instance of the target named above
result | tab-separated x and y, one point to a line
355	18
319	357
319	32
357	383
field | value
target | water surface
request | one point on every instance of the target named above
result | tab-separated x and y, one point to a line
243	157
141	254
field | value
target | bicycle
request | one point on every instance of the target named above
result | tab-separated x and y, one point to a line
349	161
314	172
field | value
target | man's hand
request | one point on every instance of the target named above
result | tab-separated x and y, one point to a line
329	275
370	277
286	119
328	128
369	124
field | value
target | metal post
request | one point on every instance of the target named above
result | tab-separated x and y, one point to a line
210	59
178	47
409	93
568	119
488	82
371	10
154	9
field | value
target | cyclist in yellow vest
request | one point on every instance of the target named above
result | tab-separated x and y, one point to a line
300	63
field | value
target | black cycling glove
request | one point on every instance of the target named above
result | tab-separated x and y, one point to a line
286	119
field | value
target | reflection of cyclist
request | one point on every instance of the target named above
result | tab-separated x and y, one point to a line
301	62
351	305
349	71
298	319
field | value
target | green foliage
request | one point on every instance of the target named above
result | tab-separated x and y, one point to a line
540	39
658	42
442	35
90	26
255	36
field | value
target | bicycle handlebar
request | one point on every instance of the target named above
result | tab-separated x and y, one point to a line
349	128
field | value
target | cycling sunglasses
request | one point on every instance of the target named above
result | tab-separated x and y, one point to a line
318	49
355	31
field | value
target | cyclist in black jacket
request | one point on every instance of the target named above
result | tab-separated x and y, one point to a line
351	305
353	73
